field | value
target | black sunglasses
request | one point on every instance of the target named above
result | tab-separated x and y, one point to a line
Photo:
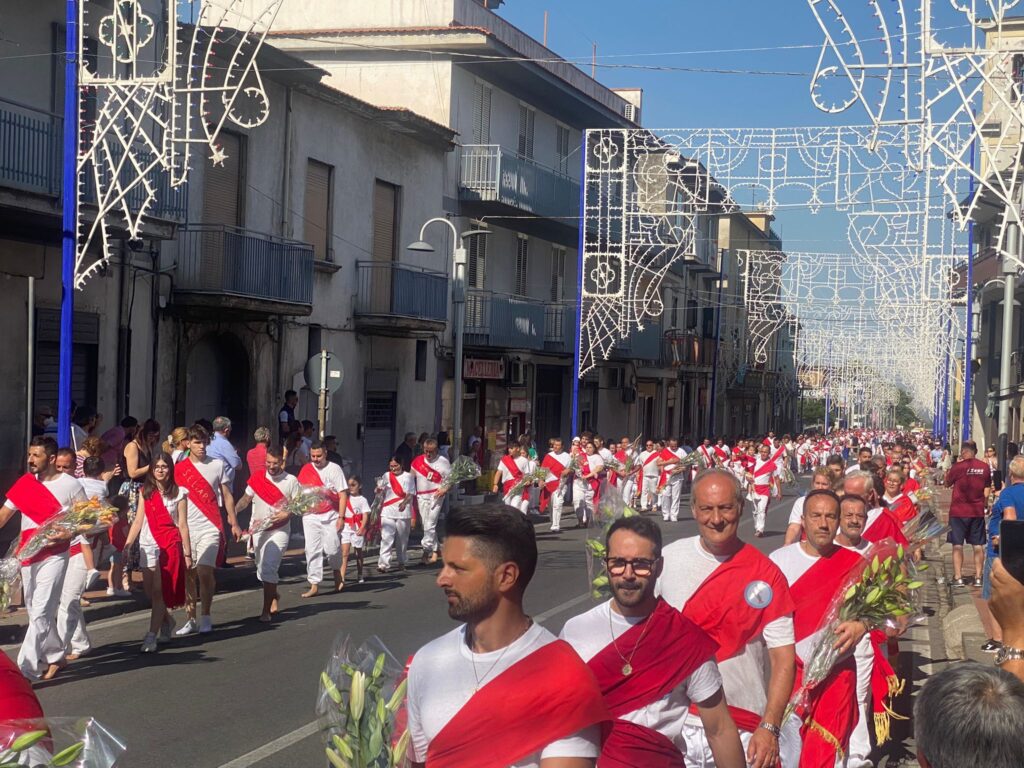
641	567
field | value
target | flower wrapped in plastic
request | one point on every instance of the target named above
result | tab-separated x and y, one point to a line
881	593
923	528
307	500
380	492
786	474
79	743
361	706
538	475
575	465
463	469
609	509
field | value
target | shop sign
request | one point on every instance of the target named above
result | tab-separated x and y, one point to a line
519	405
475	368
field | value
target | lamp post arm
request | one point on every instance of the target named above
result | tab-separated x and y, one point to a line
423	229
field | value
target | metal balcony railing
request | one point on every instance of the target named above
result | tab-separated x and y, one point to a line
492	174
560	327
685	348
643	345
400	290
31	153
502	320
240	262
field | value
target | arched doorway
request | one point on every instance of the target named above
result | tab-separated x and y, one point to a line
217	382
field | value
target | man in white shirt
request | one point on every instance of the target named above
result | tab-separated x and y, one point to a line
208	486
763	482
552	496
38	496
742	600
429	469
395	517
649	476
650	661
264	491
672	493
498	661
322	530
511	469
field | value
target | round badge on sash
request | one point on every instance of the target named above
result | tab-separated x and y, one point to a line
758	594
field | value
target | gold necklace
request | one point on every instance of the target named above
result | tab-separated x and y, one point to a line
627	664
472	658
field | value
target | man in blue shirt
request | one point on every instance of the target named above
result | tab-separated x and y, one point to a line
1009	506
221	448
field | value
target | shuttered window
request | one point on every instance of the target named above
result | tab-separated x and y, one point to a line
522	264
482	114
221	198
385	218
527	118
84	357
557	273
317	208
562	149
476	253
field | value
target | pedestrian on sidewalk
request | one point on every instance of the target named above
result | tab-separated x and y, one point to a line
1005	508
970	479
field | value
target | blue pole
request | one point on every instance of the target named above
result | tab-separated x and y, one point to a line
827	406
965	406
579	290
713	426
69	197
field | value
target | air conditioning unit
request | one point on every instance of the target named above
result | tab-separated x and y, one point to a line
629	395
631	112
516	373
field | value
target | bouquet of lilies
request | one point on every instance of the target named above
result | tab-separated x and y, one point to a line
81	743
575	465
610	509
880	593
538	475
307	500
463	469
360	707
922	528
692	459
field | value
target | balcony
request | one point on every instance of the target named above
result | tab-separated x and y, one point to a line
686	349
642	345
31	154
244	272
494	180
505	321
560	328
398	299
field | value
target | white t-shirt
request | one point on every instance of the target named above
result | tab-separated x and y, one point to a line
680	453
445	673
561	458
650	467
65	488
441	465
215	474
360	507
591	632
333	478
504	475
796	514
171	503
794	562
594	461
408	486
606	456
745	675
285	483
94	488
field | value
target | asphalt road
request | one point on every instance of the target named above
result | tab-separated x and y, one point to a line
245	695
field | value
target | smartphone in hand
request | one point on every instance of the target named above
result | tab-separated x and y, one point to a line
1011	547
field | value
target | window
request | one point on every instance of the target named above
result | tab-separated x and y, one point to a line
527	118
317	209
476	255
557	273
1017	75
522	258
562	149
482	114
691	314
421	360
385	221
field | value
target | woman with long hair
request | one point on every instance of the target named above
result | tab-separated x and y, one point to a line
162	533
176	445
137	457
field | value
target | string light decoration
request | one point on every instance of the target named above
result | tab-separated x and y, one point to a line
157	80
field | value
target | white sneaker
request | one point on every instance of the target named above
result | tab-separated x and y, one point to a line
90	578
362	580
112	592
190	628
205	625
167	630
149	643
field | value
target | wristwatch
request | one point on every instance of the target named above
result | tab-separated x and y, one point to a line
774	730
1006	654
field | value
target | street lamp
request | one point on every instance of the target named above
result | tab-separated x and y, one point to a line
459	305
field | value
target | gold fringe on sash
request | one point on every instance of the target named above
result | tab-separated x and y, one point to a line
819	729
883	720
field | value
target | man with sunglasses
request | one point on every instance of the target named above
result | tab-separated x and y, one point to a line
740	598
650	661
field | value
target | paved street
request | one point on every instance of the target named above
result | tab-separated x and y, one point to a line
245	695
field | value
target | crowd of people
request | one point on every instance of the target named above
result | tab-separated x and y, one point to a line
691	662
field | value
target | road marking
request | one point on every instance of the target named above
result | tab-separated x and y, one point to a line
540	618
273	747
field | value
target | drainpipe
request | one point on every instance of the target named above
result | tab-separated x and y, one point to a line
286	173
122	345
154	307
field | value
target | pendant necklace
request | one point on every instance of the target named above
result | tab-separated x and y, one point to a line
472	658
627	663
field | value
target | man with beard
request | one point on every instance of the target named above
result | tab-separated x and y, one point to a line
498	690
429	469
322	530
649	474
650	661
816	568
740	598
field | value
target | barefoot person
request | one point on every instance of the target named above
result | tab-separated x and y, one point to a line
165	553
264	492
322	530
428	470
40	494
498	661
353	534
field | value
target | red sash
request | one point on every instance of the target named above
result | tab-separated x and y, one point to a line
172	555
778	453
310	477
885	526
707	456
902	508
34	501
202	495
510	464
722	453
269	494
654	456
17	700
768	468
666	454
556	468
545	697
398	490
814	590
613	476
673	647
352	518
420	465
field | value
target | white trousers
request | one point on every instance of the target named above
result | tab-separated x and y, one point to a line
649	492
269	548
671	498
41	584
322	538
698	750
760	511
583	501
556	504
394	538
860	740
430	510
628	490
522	503
70	617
